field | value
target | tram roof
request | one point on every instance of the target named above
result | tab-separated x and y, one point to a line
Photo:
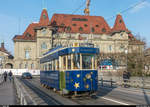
60	51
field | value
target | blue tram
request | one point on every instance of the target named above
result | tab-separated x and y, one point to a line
70	69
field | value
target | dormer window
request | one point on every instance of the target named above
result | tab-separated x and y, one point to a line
44	16
68	28
97	25
103	30
121	34
120	21
28	35
93	30
80	29
85	25
74	24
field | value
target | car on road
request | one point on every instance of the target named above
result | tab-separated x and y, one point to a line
26	75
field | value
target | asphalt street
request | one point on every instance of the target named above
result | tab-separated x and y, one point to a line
105	96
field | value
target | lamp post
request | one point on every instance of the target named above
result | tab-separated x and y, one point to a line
126	52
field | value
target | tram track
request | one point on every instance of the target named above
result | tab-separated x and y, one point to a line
44	96
78	100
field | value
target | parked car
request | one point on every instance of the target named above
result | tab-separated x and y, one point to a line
26	75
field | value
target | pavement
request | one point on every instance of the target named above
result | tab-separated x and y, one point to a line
7	93
130	96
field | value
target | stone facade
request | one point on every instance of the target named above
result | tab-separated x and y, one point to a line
35	49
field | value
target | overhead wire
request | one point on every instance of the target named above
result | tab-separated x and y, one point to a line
79	7
123	11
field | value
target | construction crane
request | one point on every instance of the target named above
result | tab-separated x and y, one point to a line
87	10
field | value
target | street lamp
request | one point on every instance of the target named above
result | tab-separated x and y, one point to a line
126	52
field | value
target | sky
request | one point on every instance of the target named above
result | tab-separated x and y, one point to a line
16	15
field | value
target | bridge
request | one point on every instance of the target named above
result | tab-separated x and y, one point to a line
30	92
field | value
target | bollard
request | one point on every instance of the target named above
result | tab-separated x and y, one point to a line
102	81
111	82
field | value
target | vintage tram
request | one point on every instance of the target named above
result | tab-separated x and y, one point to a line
70	69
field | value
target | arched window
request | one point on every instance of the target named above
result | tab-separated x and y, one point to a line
32	66
93	29
44	46
26	65
110	48
120	21
27	56
103	30
20	65
68	28
80	29
44	16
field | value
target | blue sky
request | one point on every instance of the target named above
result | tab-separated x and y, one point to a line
16	15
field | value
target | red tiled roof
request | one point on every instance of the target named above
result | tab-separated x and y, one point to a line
81	24
29	33
119	25
74	24
44	19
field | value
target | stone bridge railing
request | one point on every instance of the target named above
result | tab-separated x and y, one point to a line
1	79
23	95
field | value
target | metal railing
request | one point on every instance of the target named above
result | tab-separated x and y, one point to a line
23	95
128	82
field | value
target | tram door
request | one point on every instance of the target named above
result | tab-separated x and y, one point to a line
62	63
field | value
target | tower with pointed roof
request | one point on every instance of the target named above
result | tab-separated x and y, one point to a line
6	59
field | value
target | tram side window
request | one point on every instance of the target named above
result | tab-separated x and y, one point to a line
69	61
76	61
86	61
57	64
50	66
54	65
45	67
64	62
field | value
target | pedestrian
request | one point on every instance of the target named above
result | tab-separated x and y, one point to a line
128	77
125	78
10	76
5	76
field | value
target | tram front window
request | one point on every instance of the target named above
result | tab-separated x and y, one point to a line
86	61
76	61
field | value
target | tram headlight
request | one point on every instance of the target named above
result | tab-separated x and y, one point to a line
78	75
87	86
88	76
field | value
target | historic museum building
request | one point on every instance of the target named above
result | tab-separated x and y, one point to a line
65	29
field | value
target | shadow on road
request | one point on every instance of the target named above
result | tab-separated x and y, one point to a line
104	90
